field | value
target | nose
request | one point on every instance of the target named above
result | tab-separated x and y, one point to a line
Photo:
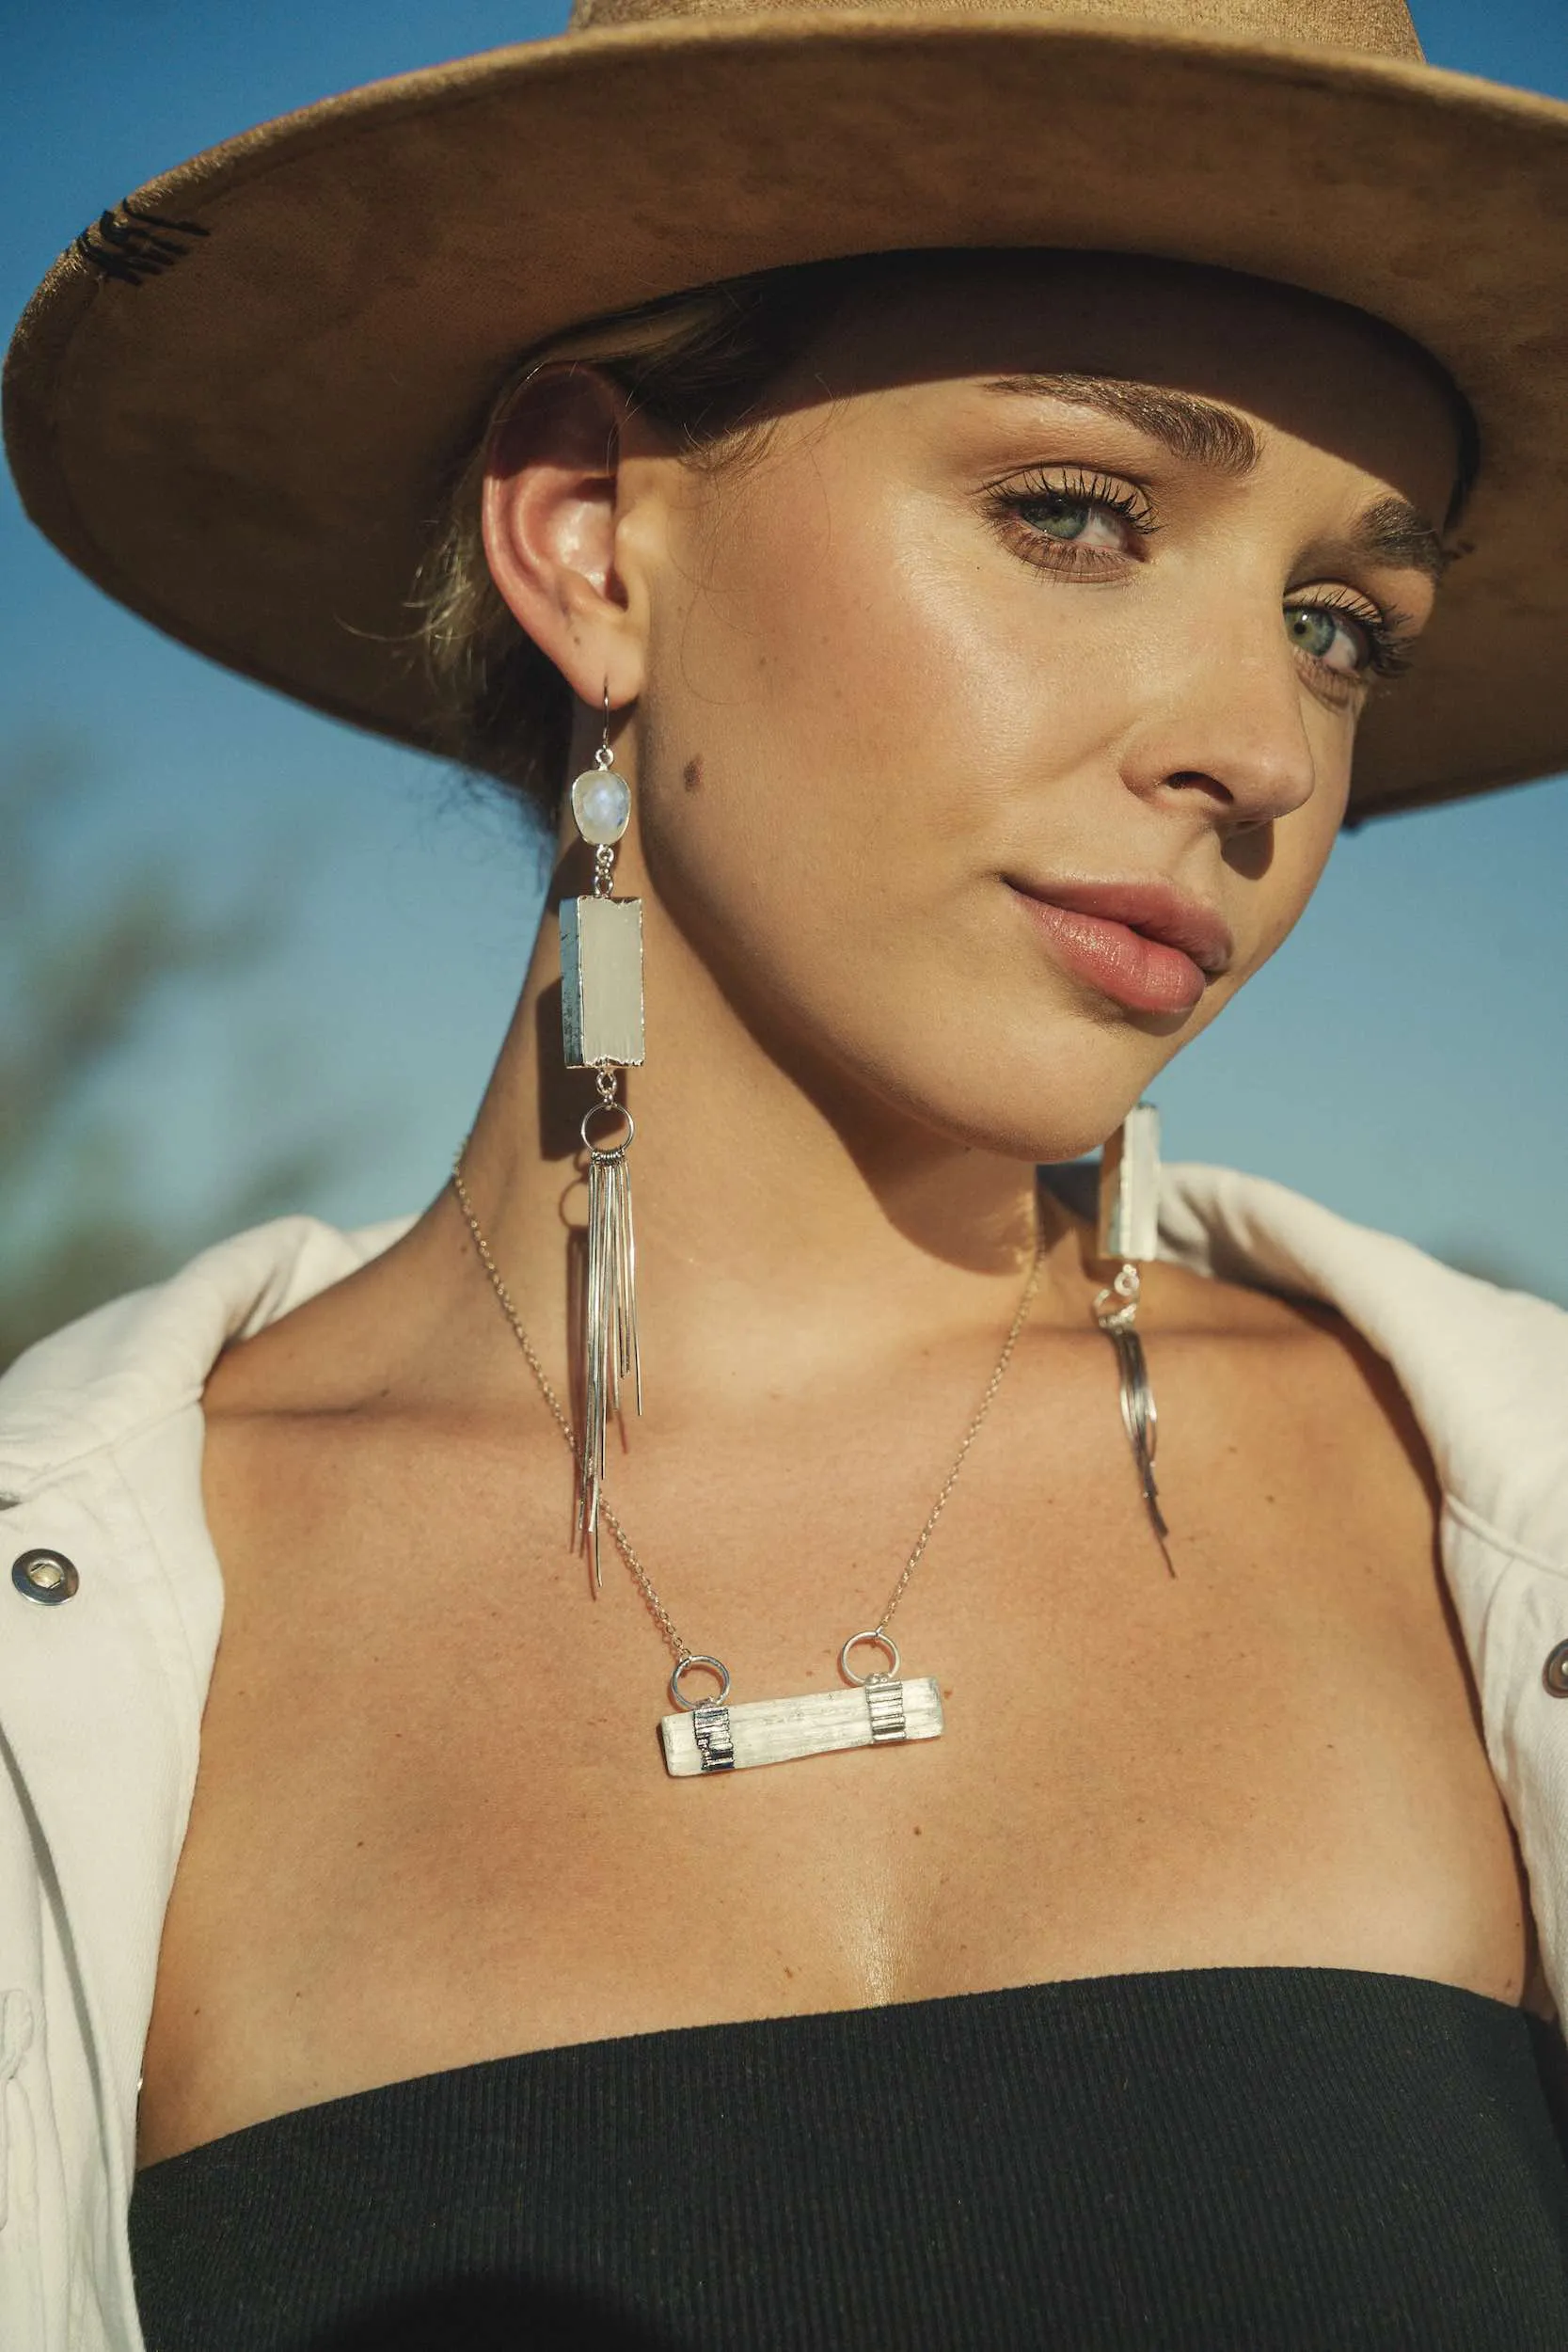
1230	724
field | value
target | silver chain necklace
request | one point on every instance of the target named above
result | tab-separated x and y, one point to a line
874	1709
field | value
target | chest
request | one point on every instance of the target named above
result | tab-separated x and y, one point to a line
433	1824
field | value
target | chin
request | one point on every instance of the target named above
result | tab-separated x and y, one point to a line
1033	1066
1023	1102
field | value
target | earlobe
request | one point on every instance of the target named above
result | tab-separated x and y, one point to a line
552	503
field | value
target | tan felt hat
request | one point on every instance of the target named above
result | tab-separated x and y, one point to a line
235	400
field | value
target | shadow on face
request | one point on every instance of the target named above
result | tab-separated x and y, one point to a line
1330	377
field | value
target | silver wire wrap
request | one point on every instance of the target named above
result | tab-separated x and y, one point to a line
1116	1311
611	1352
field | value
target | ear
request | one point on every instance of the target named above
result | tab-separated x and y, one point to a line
556	531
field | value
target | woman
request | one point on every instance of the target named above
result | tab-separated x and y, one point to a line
983	634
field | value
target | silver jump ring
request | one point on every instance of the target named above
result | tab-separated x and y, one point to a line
613	1151
1115	1310
883	1641
719	1669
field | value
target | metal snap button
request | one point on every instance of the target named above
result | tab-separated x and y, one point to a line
1555	1673
45	1576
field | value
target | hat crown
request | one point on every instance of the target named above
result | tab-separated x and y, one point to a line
1374	27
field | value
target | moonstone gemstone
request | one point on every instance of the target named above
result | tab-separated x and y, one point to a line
601	803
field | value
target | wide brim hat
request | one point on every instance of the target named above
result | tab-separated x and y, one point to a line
236	401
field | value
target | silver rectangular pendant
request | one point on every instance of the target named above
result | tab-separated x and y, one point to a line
879	1712
1130	1189
601	982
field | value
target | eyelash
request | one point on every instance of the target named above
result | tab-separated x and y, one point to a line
1075	489
1389	653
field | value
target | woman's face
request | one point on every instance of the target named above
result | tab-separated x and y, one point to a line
1054	597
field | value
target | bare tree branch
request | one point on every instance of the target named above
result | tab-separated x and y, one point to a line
83	975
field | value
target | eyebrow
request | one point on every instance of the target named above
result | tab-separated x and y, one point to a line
1189	427
1202	433
1394	532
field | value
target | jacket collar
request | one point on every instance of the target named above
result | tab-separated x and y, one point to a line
147	1354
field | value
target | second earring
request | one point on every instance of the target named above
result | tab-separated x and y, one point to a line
1129	1236
601	1019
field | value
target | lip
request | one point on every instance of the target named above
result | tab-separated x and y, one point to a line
1145	943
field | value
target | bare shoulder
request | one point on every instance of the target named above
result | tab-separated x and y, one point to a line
350	1416
336	1354
1320	1412
313	1425
1329	1362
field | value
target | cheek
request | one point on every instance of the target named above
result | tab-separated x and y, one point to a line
833	730
869	692
851	729
830	676
826	779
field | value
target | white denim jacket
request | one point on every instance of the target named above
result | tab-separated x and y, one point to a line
101	1692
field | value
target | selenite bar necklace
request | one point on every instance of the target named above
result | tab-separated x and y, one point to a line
878	1709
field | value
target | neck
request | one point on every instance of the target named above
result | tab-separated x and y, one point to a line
785	1222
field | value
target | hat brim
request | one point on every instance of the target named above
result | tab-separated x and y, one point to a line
243	431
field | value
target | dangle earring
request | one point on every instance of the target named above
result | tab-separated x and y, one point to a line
1129	1233
601	1019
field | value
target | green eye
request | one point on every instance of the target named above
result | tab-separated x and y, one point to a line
1065	521
1059	518
1096	519
1312	630
1336	639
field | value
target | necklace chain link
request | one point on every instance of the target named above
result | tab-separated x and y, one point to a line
662	1618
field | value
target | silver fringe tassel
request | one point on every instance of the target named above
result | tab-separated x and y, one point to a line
1116	1311
610	1349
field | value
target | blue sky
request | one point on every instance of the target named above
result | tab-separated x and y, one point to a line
1401	1058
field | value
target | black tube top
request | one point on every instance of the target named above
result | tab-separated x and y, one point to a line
1230	2159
